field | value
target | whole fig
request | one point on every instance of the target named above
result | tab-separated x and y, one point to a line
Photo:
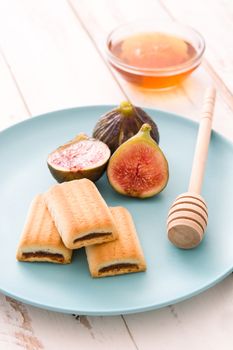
118	125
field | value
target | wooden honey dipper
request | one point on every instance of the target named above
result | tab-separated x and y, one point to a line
187	217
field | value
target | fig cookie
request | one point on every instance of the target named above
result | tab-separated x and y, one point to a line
121	256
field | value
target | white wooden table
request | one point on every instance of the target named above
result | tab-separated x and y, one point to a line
52	57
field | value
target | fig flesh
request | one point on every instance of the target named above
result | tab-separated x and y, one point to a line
120	124
138	168
82	157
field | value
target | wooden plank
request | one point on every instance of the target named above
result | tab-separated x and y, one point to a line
35	329
205	321
55	63
214	21
12	107
16	328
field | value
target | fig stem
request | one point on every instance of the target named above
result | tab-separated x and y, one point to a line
126	108
145	128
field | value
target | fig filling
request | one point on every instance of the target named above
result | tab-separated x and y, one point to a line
118	267
79	156
41	254
92	235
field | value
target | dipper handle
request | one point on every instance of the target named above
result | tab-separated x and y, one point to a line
202	143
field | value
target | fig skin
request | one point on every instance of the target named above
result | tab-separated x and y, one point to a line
138	168
117	126
63	176
93	173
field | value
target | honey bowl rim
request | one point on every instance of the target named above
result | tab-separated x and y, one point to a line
190	64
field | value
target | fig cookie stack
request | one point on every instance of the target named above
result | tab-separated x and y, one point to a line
72	215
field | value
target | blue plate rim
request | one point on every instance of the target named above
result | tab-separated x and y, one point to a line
117	312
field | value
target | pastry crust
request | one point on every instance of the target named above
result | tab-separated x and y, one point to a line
80	213
121	256
40	240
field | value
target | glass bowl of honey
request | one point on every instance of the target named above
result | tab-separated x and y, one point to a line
155	55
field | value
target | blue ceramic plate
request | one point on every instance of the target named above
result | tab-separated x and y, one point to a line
172	274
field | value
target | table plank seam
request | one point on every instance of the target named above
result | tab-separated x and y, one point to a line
225	91
78	18
15	82
129	332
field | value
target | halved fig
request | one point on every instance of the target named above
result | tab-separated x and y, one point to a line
138	168
82	157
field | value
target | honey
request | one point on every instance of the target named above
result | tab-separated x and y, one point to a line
153	60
